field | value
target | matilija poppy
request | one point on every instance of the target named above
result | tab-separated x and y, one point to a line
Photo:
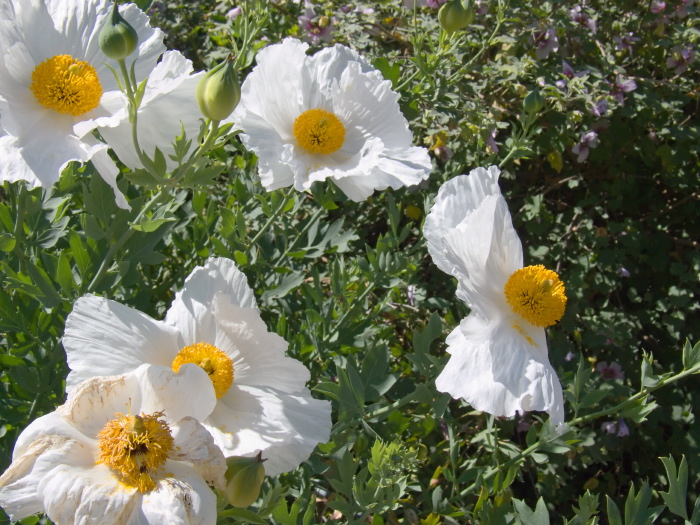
330	115
499	359
262	402
55	86
122	449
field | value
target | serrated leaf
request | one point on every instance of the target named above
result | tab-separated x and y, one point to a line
540	516
636	506
691	355
143	178
678	486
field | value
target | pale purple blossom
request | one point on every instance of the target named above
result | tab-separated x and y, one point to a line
569	356
619	428
621	86
582	18
545	42
681	9
411	293
657	6
624	42
434	4
680	59
623	272
582	149
568	73
491	141
233	13
600	108
611	371
316	29
444	153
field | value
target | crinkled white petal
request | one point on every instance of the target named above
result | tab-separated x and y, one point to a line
497	370
183	498
377	152
191	311
168	106
285	428
104	337
194	444
32	32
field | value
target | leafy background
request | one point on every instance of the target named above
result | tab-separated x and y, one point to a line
352	289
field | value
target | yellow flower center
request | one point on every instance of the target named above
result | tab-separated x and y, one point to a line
319	131
66	85
537	295
210	359
135	447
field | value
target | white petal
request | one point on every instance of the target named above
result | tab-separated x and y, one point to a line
108	171
181	498
496	370
89	495
194	443
103	337
286	428
189	393
258	355
191	311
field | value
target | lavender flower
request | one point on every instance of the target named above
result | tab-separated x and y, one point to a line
545	42
657	6
681	58
491	141
624	42
588	140
233	13
580	17
612	371
568	73
623	272
600	108
618	428
622	86
316	28
423	3
609	427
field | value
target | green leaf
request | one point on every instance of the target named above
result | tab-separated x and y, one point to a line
49	297
64	275
587	508
639	410
80	254
540	516
148	225
614	517
388	70
11	360
678	486
143	178
7	242
246	516
691	355
637	511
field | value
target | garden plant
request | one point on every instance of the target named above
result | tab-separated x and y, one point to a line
397	262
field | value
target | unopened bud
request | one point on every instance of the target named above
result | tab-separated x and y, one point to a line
118	39
218	92
533	102
453	16
244	477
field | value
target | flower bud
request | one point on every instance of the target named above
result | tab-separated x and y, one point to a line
218	92
244	477
118	39
533	102
453	16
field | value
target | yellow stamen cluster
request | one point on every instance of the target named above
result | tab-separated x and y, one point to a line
319	131
135	447
537	295
210	359
66	85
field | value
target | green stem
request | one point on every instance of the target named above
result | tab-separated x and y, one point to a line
271	220
299	236
114	248
342	318
201	150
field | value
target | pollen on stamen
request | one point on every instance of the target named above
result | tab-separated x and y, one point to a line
537	295
135	447
66	85
319	131
217	365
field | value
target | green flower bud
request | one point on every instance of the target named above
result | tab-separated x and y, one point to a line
453	16
533	102
244	477
218	92
118	39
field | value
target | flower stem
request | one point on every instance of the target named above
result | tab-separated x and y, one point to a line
288	196
114	248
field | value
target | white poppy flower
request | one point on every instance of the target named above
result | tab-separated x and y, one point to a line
55	87
122	449
167	106
262	403
499	361
330	115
